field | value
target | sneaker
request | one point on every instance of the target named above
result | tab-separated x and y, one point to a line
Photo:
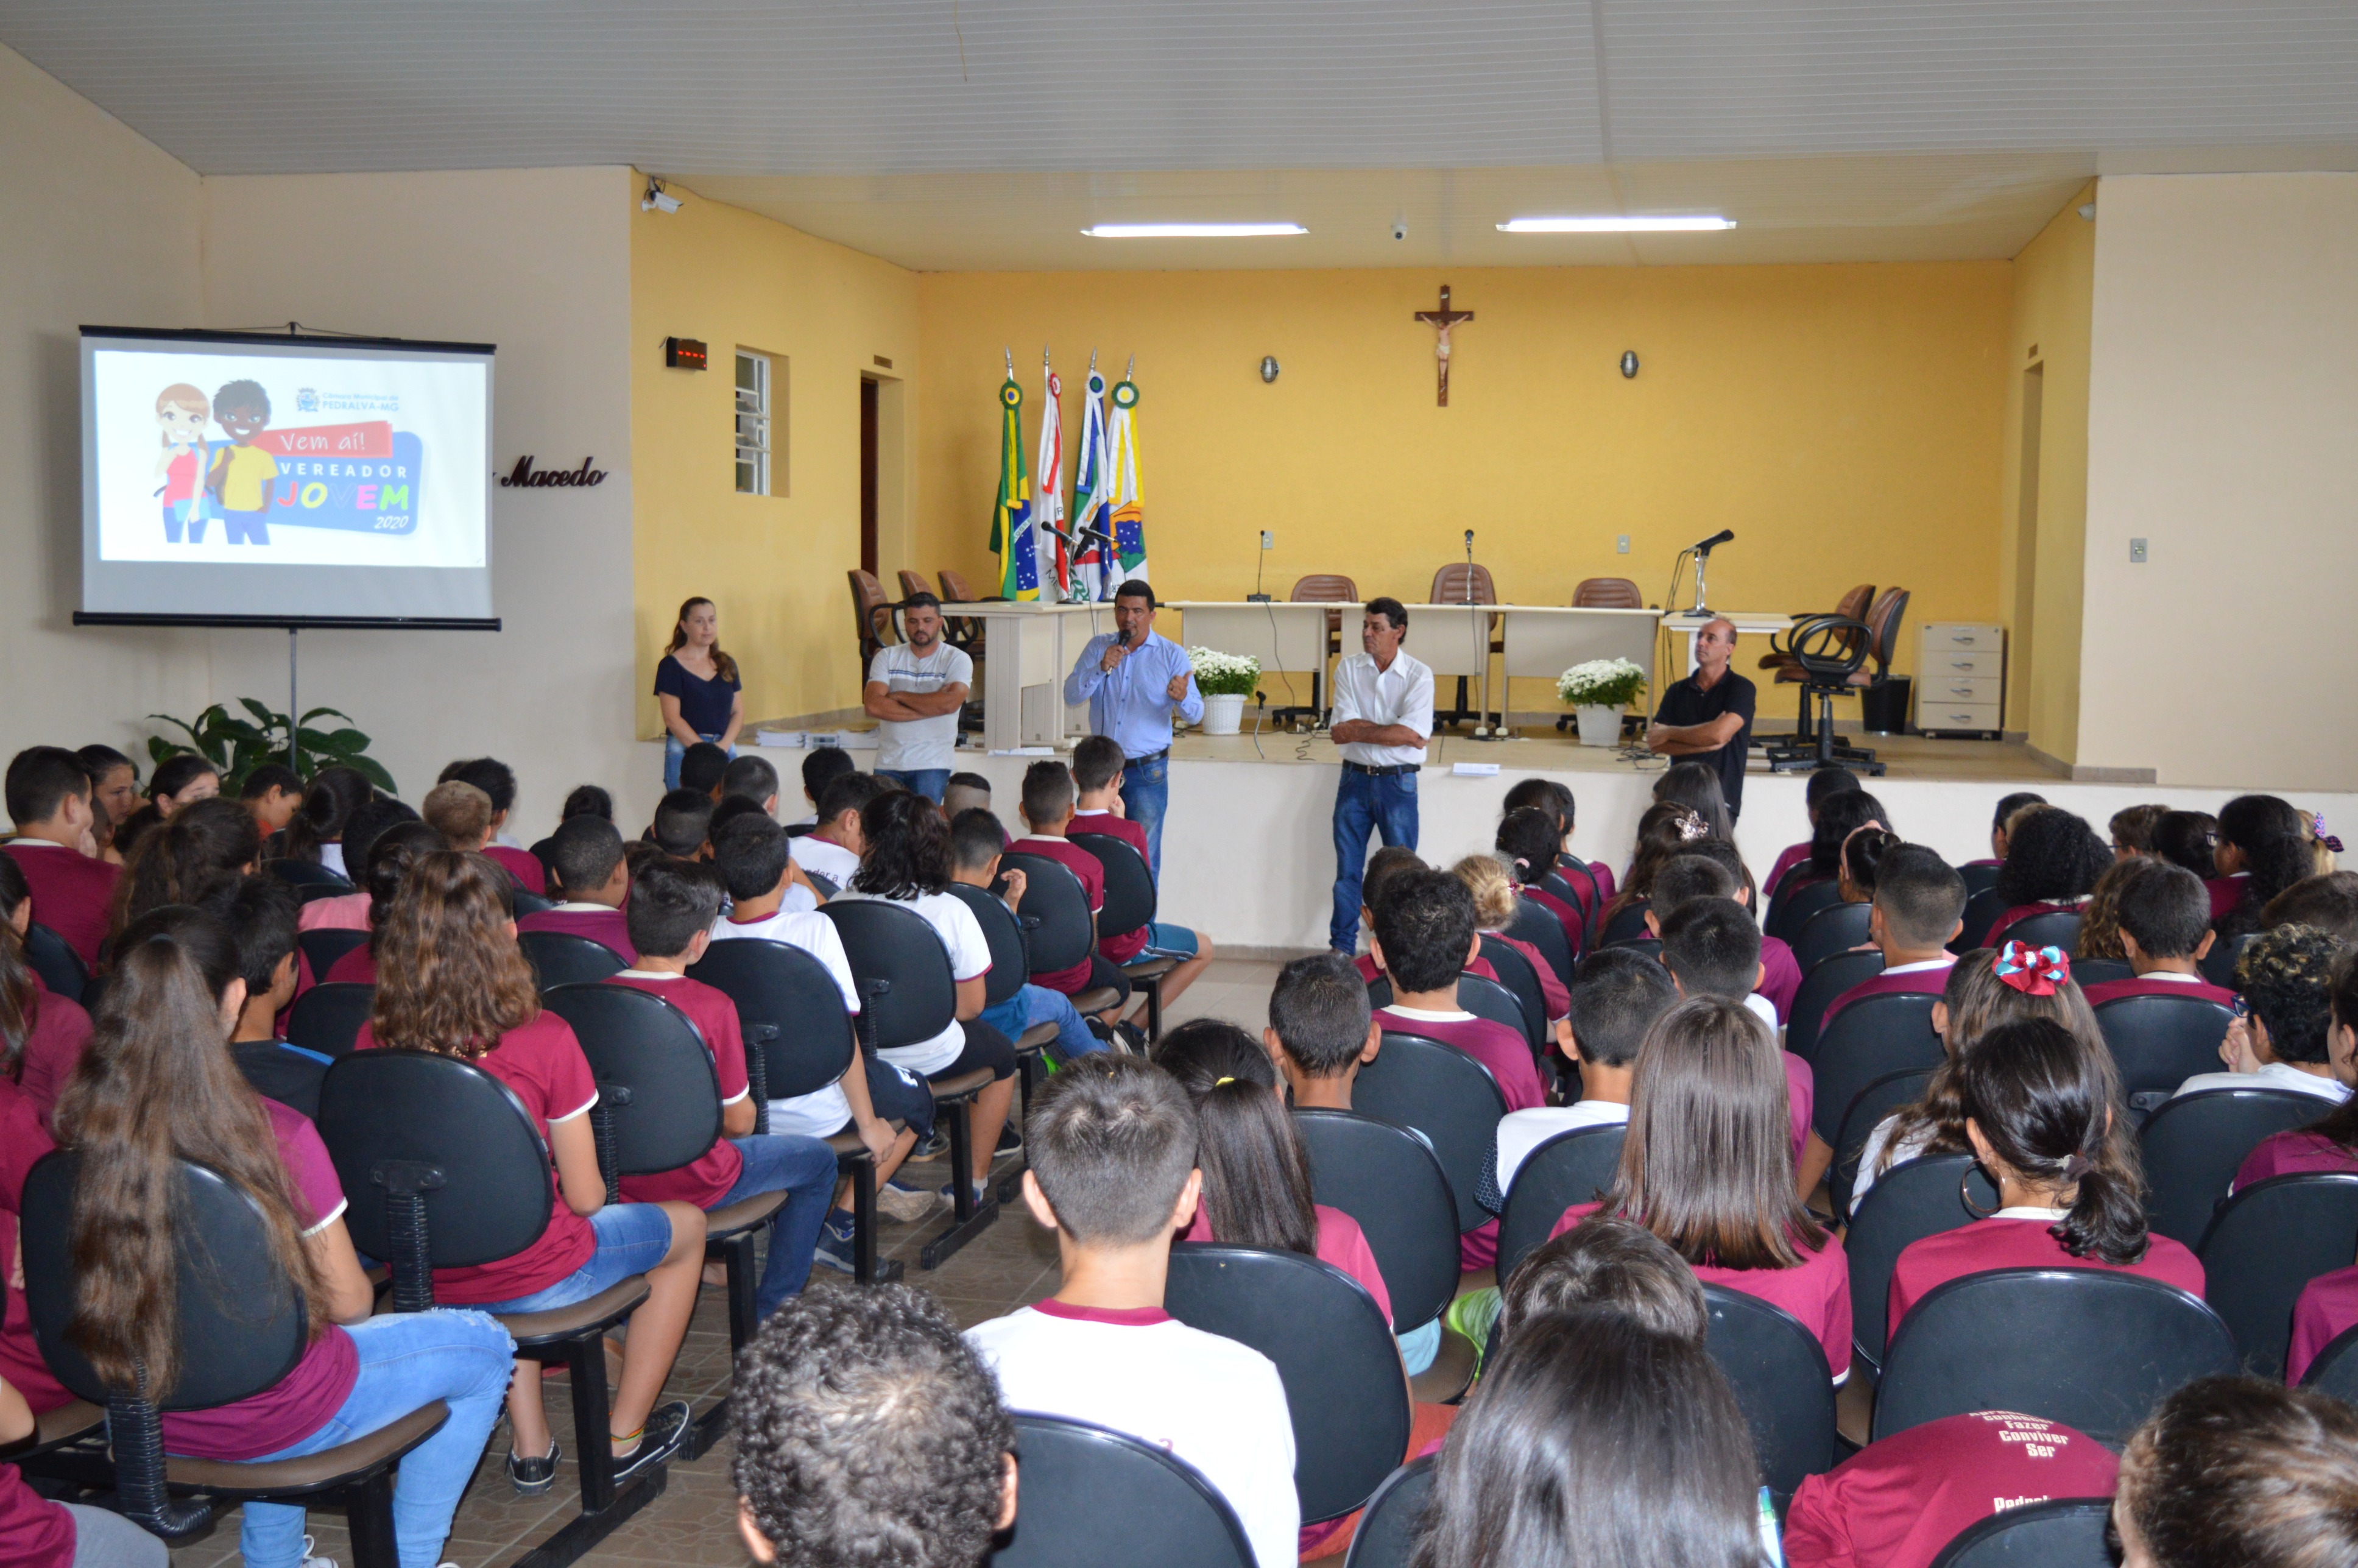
1010	1140
312	1561
529	1476
835	1249
1131	1036
905	1202
931	1146
982	1194
667	1427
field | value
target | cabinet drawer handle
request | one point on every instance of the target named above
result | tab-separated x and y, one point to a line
1961	664
1960	691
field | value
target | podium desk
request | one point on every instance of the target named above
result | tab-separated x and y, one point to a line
1032	647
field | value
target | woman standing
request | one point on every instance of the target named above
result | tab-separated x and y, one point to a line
697	688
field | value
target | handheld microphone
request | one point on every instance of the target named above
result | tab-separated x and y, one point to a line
1722	537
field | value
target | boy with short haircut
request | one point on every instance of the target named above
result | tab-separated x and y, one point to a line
1617	994
498	780
683	821
868	1432
2008	806
1097	808
592	880
976	839
1712	948
750	777
273	794
48	796
822	765
2165	922
673	908
262	919
1780	977
832	849
1113	1171
1919	907
965	792
1047	807
700	767
1382	866
460	813
1682	879
1321	1030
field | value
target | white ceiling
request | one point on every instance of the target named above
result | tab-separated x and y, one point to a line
985	133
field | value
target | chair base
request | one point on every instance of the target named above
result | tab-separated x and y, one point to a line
968	1218
1828	752
585	1530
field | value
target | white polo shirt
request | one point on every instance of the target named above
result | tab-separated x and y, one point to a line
823	857
1401	694
913	745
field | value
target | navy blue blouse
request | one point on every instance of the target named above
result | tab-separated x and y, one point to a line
705	704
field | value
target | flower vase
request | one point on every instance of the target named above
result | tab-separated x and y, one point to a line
1223	713
1599	724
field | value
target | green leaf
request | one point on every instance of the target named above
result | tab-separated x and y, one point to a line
327	712
336	742
375	773
263	716
159	749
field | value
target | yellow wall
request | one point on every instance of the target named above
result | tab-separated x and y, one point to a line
1845	421
773	564
2054	290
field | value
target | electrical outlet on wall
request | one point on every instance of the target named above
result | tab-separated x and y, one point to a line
1622	544
1269	539
2137	552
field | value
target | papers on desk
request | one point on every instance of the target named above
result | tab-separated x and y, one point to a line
1474	770
1026	752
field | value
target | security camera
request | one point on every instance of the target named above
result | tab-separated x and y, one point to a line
658	199
1400	228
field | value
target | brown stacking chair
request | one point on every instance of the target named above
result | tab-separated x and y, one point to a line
1787	669
1607	593
914	583
871	614
1319	587
1450	586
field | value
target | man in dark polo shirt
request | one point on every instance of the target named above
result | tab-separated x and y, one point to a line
1708	716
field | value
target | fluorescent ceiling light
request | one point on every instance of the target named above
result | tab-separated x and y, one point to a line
1609	225
1189	231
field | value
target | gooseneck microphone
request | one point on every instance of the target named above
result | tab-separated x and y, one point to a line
1708	545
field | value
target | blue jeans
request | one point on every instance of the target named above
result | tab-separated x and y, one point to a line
1145	797
631	1238
928	781
461	1357
804	1169
1385	804
675	748
1036	1005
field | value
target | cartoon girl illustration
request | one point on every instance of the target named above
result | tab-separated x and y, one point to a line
180	414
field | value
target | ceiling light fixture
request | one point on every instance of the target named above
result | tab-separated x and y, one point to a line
1614	225
1189	231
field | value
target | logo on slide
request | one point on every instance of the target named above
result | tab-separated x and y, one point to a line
363	476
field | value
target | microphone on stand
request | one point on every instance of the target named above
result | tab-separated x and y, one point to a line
1702	550
1706	546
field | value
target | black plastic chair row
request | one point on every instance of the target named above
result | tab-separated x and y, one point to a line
1796	901
1130	906
1830	931
1072	1475
1536	923
51	957
1010	967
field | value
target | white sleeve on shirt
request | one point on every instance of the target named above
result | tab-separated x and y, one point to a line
1347	695
961	670
880	670
1416	712
1263	1443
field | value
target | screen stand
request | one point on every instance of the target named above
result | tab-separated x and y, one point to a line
294	708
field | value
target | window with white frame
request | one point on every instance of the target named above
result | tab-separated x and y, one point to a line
753	423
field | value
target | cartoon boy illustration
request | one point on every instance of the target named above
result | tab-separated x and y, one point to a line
242	473
180	414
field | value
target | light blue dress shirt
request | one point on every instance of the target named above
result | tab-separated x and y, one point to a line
1132	703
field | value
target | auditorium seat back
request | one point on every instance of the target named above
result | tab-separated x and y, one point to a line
2160	1042
2194	1145
2265	1245
61	968
1392	1525
323	946
1782	1384
1447	1096
1982	911
790	1010
1065	932
328	1018
1867	1109
2056	928
562	958
1798	897
1072	1477
1575	1167
1889	1032
1522	981
1914	1199
1390	1181
1536	923
1831	931
2060	1532
1820	986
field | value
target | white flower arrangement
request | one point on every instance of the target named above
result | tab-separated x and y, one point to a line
1223	674
1600	683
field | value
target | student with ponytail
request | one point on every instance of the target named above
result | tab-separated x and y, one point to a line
317	832
2330	1303
2265	845
2042	1110
41	1033
196	857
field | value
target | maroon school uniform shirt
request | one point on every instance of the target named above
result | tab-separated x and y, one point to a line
523	865
2298	1153
2328	1308
1602	875
2194	985
23	1141
1816	1291
708	1179
2225	892
1780	976
542	1062
1083	865
52	1047
1801	1100
34	1531
1898	1503
1340	1242
1906	981
2019	1238
1366	963
1790	855
1123	948
71	892
599	925
355	968
1557	1000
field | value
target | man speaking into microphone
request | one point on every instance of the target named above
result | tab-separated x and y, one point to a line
1708	716
1133	682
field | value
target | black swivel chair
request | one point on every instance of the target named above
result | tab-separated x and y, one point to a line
1075	1477
1391	1523
2061	1532
1796	902
451	1171
659	1108
1782	1384
1443	1094
799	1039
1873	1036
1820	986
1867	1107
304	875
2090	1348
1333	1349
242	1328
1059	930
2335	1370
1830	650
59	967
1831	931
1536	923
2265	1245
1010	966
562	958
909	996
1914	1199
328	1018
1130	904
2160	1042
2194	1145
322	948
1570	1168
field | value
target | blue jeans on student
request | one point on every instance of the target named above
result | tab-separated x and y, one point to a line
675	748
1036	1005
631	1238
804	1169
1385	804
928	781
407	1359
1145	797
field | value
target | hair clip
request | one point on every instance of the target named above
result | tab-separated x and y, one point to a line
1692	827
1217	1081
2328	840
2033	971
2076	1165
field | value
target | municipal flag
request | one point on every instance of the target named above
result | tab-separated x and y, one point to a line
1121	463
1092	515
1048	496
1011	520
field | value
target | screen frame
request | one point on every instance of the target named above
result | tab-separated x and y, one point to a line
293	335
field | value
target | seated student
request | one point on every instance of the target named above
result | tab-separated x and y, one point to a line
260	920
1683	879
976	842
683	822
1862	852
317	832
1485	877
2266	846
908	863
2329	1143
751	856
751	778
2132	829
833	848
822	765
273	794
2328	1307
730	810
1112	1143
1898	1502
1839	816
2038	1103
868	1432
460	813
449	981
1594	1441
2053	859
1665	833
1556	801
1780	978
2190	839
390	855
1047	809
1919	906
672	912
1256	1190
198	856
593	882
1383	866
2163	919
113	779
588	800
1712	948
41	1033
157	1060
2285	977
2238	1471
1616	1264
181	780
1617	996
49	801
1321	1030
2009	807
964	793
1824	782
1696	785
1705	1168
37	1533
2329	902
1097	808
700	767
498	783
2099	935
369	822
1527	843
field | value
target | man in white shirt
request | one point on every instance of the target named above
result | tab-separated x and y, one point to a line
1112	1150
914	692
2286	974
1383	720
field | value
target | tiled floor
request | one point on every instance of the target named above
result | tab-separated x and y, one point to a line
694	1521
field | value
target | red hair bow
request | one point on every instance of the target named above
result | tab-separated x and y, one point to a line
2034	972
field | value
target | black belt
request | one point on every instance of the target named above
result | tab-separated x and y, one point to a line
1149	757
1382	773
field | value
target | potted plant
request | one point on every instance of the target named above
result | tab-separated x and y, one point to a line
1226	680
236	748
1598	691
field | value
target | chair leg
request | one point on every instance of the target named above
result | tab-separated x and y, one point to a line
1027	1067
602	1509
867	1268
968	1218
736	1256
1154	1009
368	1515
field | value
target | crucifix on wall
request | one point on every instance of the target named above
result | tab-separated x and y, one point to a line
1444	320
